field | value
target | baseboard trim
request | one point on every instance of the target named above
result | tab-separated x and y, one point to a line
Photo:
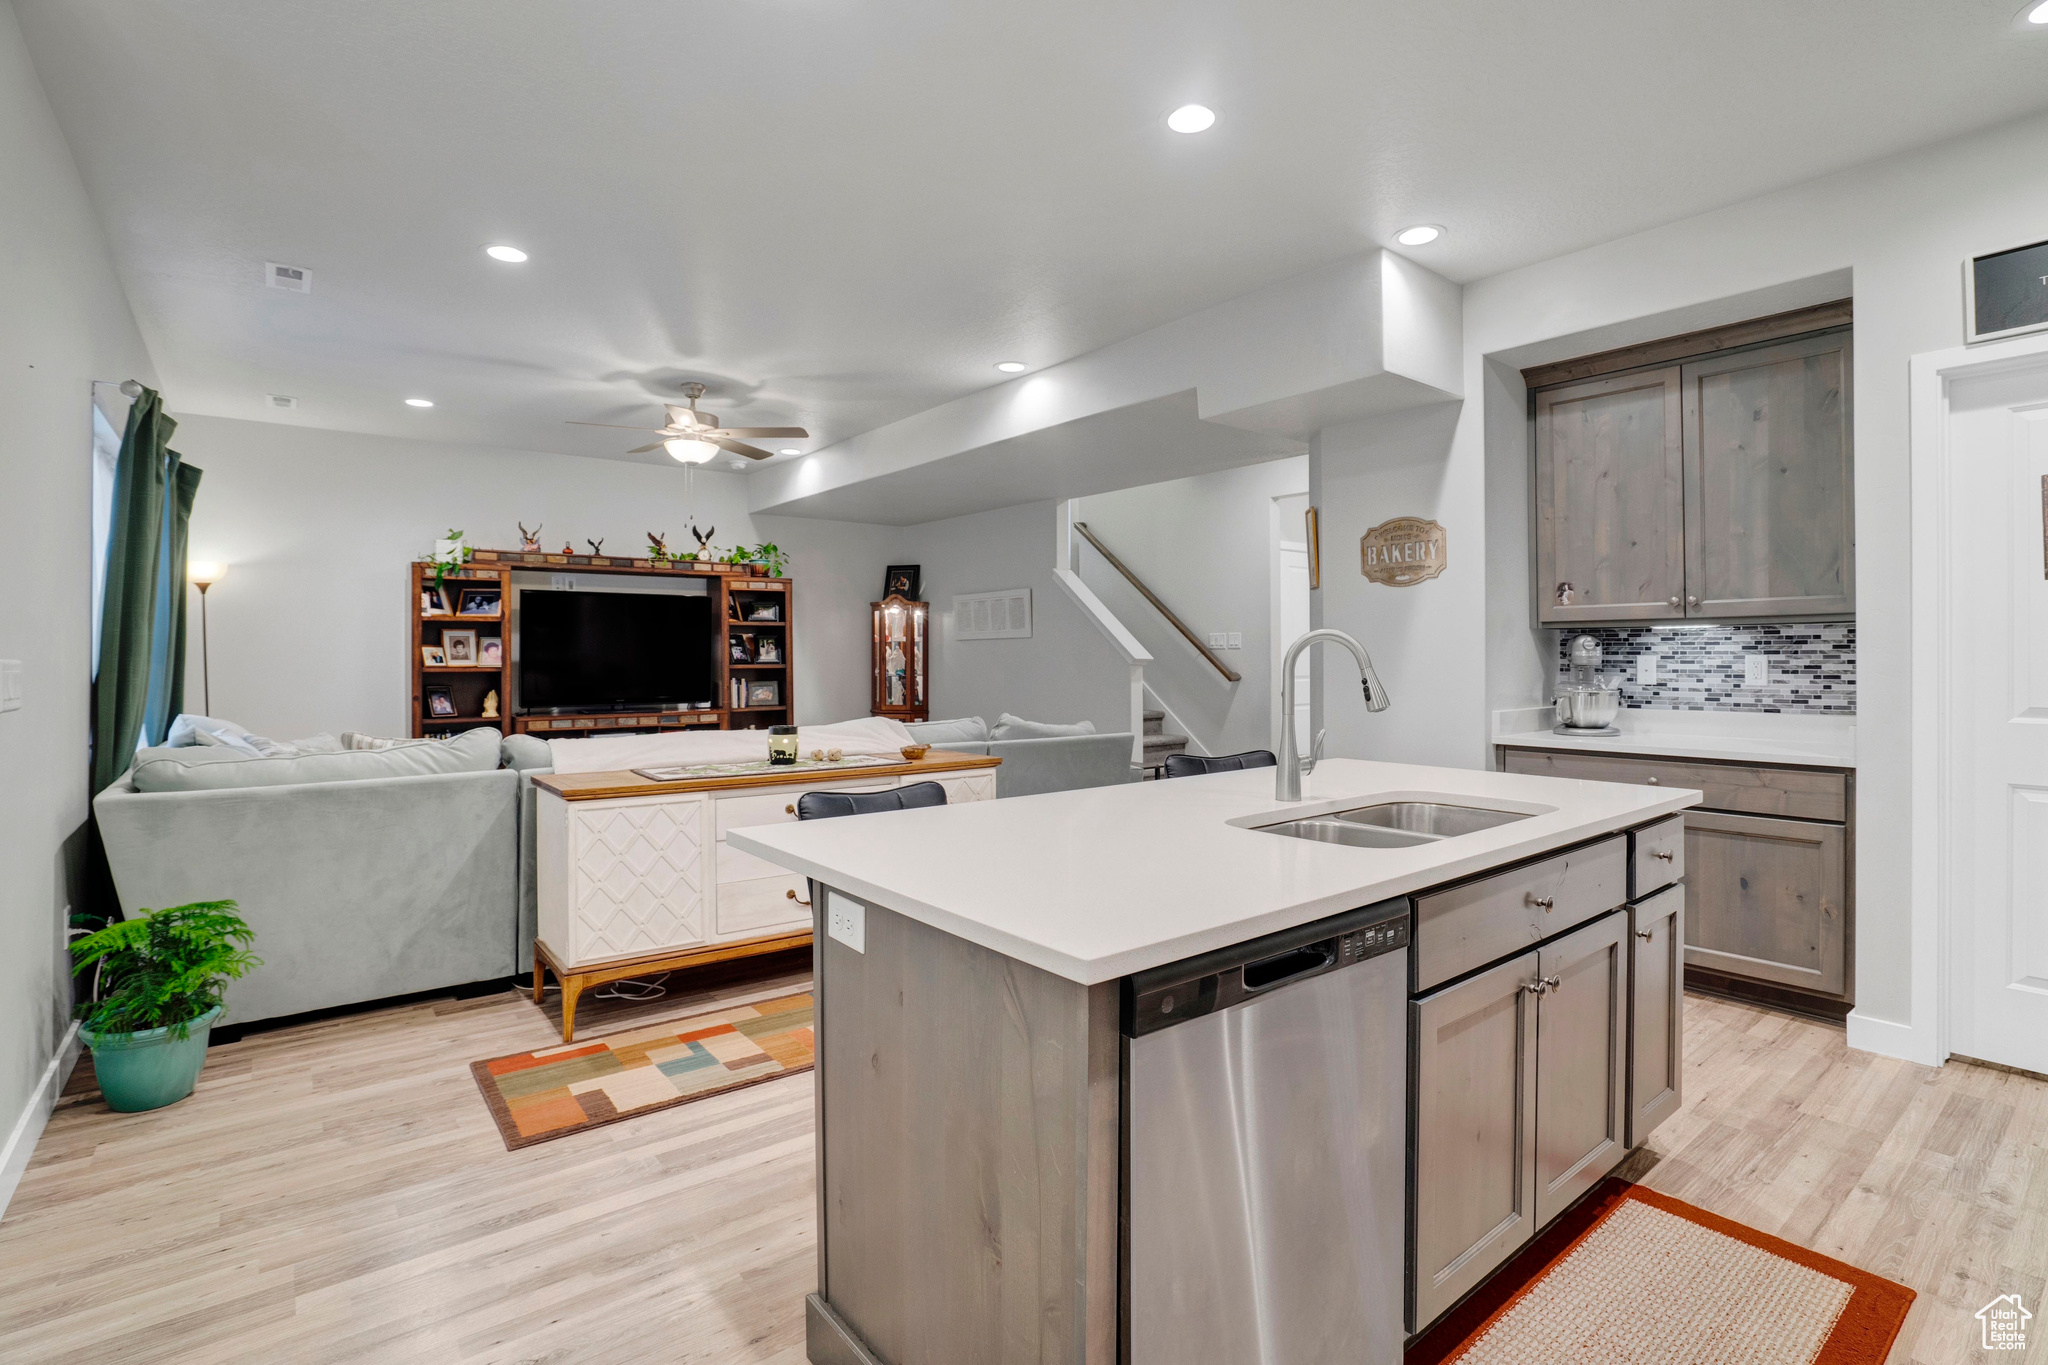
829	1341
42	1102
1890	1039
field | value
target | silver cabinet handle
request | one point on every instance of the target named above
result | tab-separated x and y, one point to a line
1665	853
1542	985
1543	903
1691	601
1651	780
1564	594
1673	603
1645	935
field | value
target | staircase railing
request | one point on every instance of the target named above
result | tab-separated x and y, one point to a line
1153	598
1066	572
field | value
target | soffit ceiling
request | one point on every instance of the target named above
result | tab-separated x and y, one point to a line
837	213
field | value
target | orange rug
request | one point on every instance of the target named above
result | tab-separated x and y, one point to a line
556	1091
1632	1276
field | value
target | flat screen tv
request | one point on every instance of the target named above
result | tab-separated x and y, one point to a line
618	651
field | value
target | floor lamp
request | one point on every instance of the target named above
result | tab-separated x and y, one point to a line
204	576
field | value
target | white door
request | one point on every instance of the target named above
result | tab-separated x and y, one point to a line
1997	736
1291	625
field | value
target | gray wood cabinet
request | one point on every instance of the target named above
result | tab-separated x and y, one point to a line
1475	1133
1767	899
1656	1040
1581	1049
1716	489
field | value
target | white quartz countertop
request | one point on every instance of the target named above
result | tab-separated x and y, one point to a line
1096	884
1818	741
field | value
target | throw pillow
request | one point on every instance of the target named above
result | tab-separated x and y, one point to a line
1014	727
351	740
202	769
188	731
966	730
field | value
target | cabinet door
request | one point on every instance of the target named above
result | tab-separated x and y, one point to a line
1765	899
1473	1204
635	877
1769	522
1581	1045
1610	519
1656	997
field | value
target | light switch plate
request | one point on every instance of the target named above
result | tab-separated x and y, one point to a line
1217	640
847	921
10	684
1646	669
1756	670
1236	640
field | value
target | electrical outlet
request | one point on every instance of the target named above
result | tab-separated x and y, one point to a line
1756	671
1217	640
1236	640
10	684
847	921
1646	669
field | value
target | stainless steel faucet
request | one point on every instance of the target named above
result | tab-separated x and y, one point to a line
1287	786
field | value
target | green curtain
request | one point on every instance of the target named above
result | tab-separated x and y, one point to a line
141	679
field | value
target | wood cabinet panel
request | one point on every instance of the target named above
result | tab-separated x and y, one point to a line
1766	899
1581	1048
1656	1038
1474	1112
1467	925
1805	793
1609	490
1769	520
1656	856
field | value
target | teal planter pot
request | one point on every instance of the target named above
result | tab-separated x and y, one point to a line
151	1069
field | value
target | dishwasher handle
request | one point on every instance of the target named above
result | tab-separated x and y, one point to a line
1291	965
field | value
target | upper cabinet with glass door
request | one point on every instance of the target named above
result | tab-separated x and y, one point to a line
1719	488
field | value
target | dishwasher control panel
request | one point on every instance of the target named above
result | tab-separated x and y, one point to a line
1165	996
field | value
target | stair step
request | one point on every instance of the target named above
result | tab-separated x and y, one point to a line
1155	722
1165	744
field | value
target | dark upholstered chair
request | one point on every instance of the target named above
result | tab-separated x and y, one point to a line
1194	765
825	805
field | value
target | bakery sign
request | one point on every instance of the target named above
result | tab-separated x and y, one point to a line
1402	552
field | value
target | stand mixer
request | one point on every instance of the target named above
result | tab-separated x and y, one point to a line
1584	705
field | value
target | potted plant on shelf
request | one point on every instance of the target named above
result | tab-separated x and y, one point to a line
161	976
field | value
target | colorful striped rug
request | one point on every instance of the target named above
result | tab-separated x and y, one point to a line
556	1091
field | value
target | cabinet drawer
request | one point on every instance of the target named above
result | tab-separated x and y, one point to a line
1468	926
778	807
1805	793
762	905
1656	856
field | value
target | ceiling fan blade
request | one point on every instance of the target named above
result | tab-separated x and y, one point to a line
642	450
613	425
797	432
726	443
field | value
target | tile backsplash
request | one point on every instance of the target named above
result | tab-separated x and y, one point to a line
1700	668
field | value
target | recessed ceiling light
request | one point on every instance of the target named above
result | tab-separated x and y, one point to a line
510	255
791	450
1422	234
1012	366
419	402
1191	118
2038	14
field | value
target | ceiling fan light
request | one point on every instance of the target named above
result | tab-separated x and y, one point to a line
689	451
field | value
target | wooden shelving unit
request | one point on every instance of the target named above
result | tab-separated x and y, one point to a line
734	591
747	600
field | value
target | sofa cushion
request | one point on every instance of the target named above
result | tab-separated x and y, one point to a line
1015	727
526	753
966	730
216	768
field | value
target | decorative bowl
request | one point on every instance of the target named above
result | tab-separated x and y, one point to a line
913	752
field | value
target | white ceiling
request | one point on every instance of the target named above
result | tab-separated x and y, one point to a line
840	212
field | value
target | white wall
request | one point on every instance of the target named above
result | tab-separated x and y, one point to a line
1204	545
1901	228
309	630
64	324
1066	671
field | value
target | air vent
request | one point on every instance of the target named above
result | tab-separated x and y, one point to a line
1004	615
298	279
283	400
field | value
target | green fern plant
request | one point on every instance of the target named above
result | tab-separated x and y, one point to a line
163	968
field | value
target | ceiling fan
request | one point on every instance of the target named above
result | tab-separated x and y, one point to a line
694	437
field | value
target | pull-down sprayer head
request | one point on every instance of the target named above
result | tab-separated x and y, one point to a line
1288	783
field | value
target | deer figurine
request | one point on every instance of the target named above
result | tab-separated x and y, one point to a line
529	541
703	539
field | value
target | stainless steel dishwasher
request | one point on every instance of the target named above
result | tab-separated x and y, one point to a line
1264	1151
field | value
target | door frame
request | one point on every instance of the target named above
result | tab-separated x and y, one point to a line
1923	1035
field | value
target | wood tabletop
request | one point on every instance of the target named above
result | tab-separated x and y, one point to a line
593	786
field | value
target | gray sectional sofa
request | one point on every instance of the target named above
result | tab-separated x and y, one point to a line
1037	757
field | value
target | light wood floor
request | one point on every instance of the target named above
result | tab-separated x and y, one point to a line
336	1192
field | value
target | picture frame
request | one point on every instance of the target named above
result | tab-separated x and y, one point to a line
2005	292
741	648
764	611
904	581
440	703
432	657
478	602
764	692
460	647
433	601
768	650
490	652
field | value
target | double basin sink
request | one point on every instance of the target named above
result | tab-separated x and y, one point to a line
1395	824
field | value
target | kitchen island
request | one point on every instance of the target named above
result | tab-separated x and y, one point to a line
989	978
